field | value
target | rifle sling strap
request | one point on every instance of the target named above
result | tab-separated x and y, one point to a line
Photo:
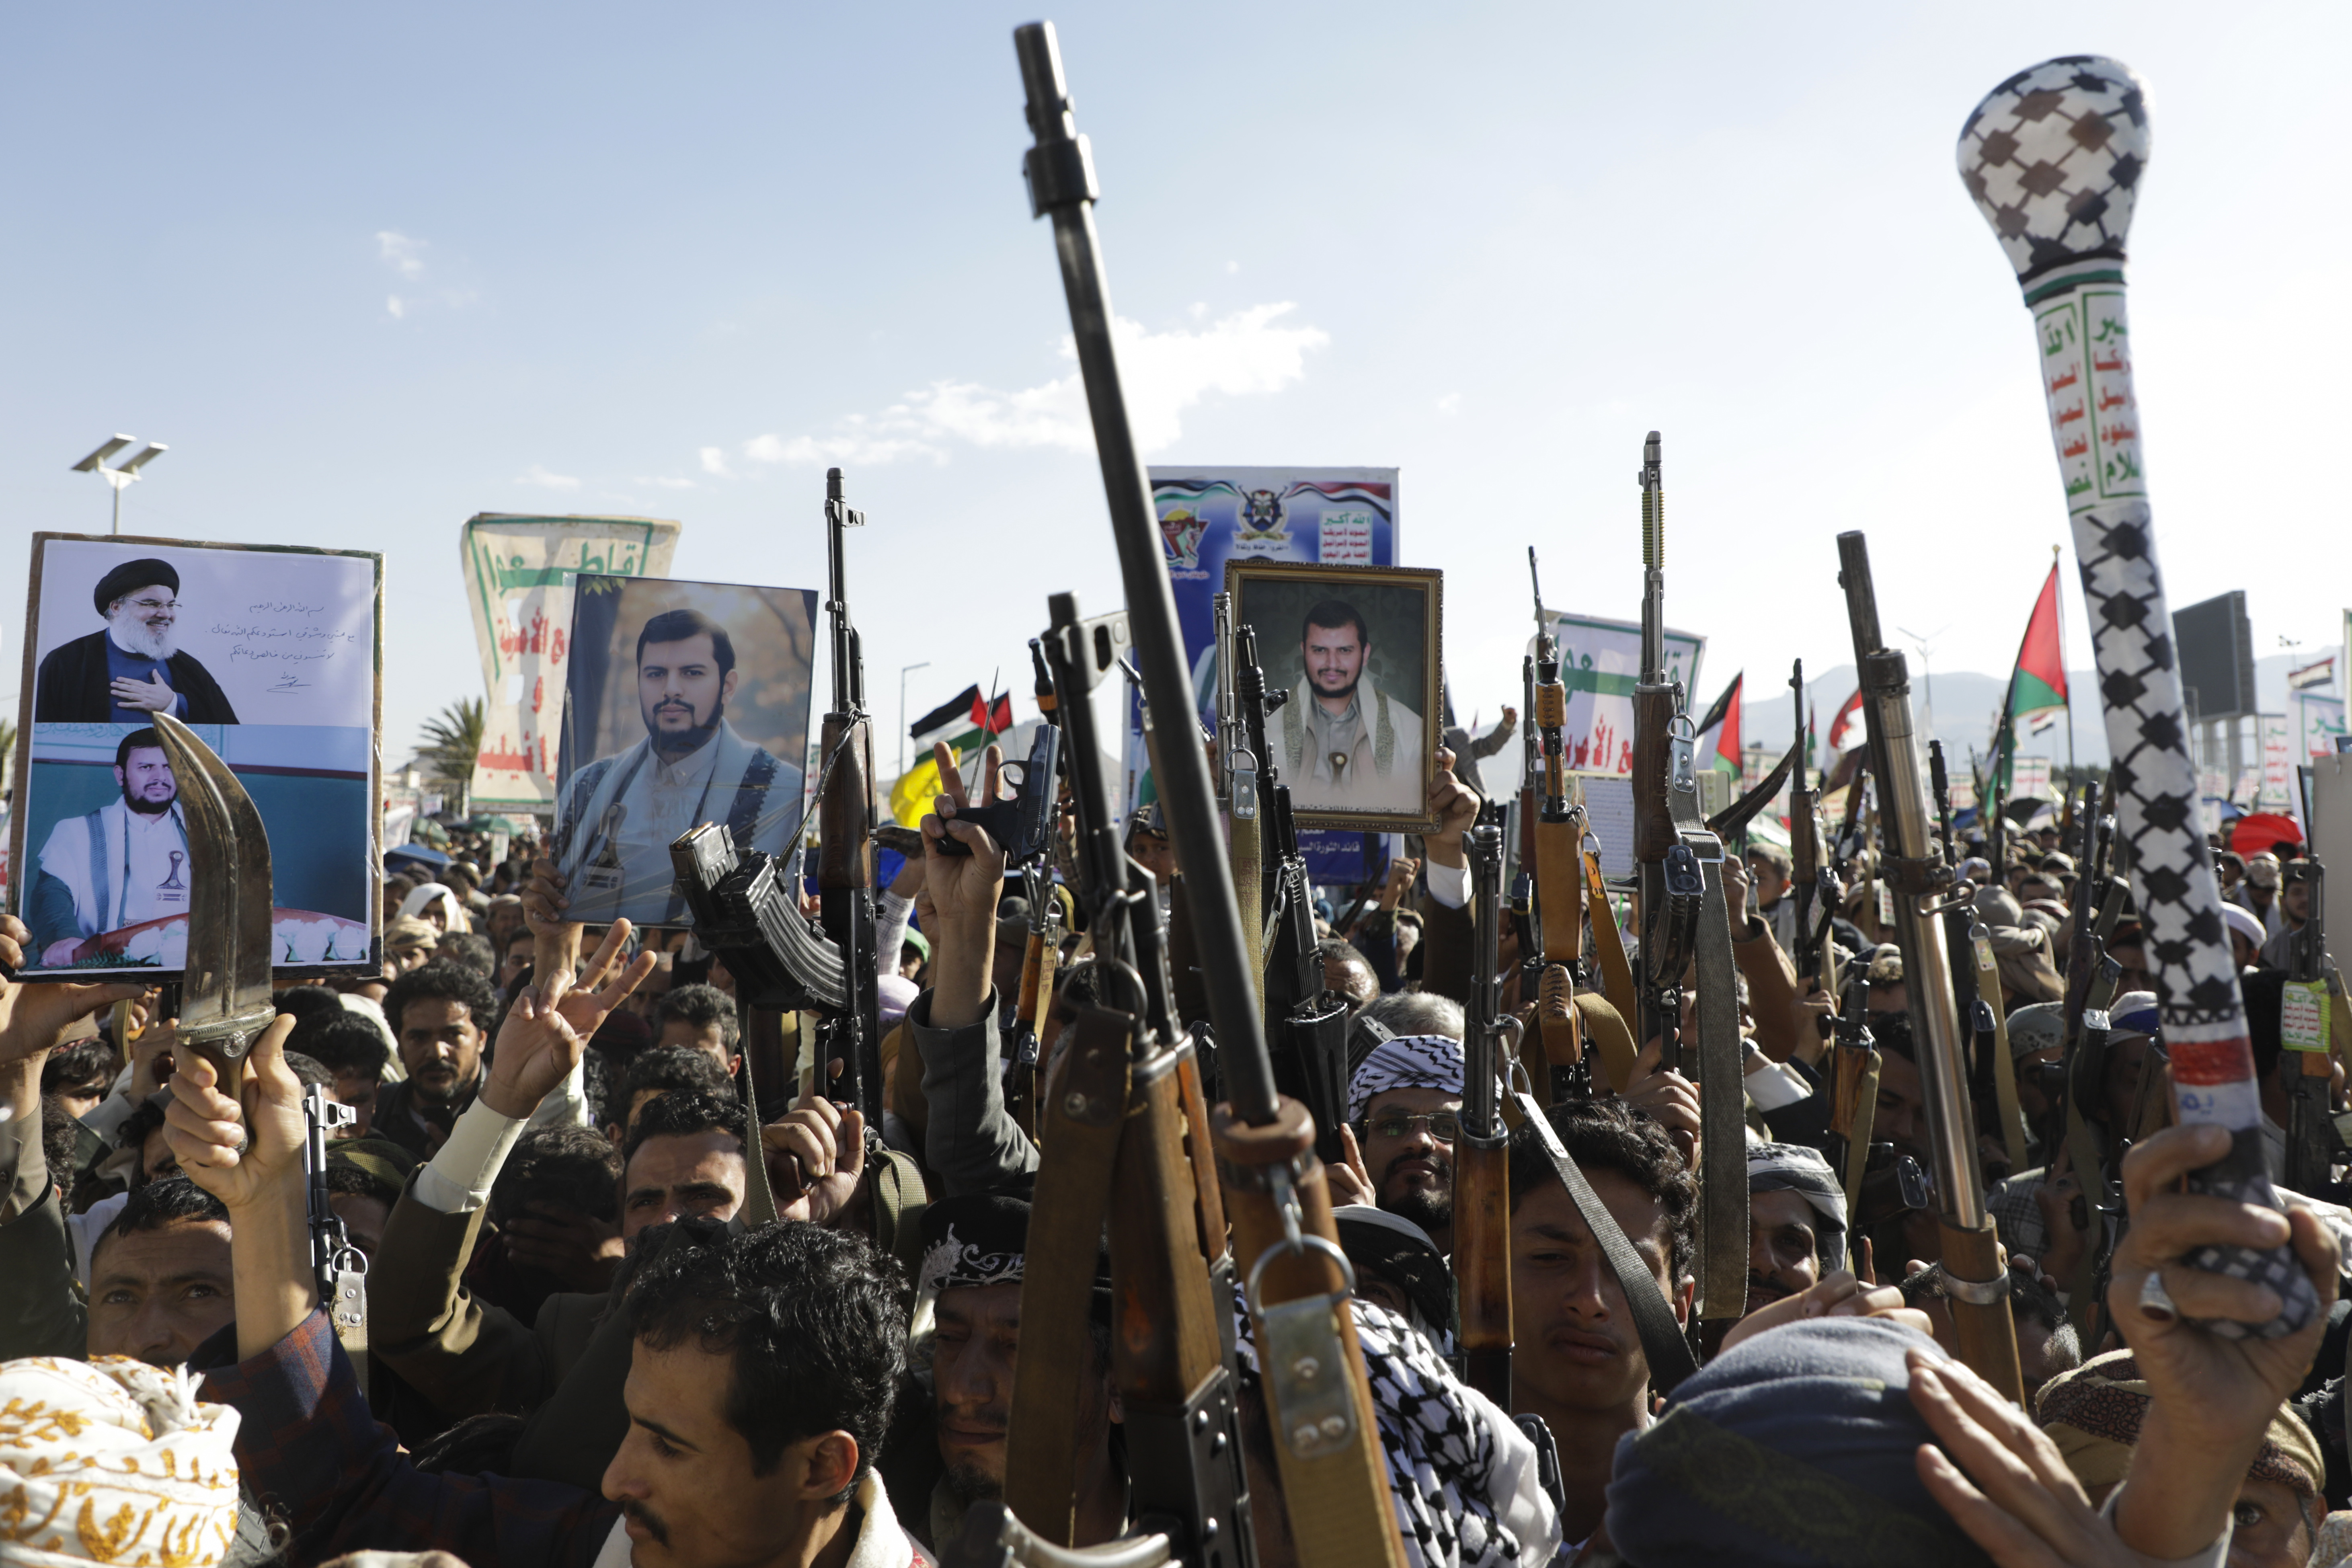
1616	974
1668	1353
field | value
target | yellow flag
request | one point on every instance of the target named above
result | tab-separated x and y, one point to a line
913	795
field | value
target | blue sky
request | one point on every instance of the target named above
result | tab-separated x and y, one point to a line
371	269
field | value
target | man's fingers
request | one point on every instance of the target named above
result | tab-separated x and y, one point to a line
2212	1297
850	1140
802	1140
2316	1246
2160	1160
2006	1479
2004	1539
607	954
2171	1225
1353	1153
640	969
992	774
950	771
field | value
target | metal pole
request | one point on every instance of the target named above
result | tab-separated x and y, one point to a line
905	671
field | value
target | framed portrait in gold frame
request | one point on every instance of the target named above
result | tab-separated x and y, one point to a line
1355	649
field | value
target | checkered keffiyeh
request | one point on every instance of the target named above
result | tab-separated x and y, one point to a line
1408	1062
1462	1476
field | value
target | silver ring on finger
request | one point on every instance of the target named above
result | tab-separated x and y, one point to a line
2155	1300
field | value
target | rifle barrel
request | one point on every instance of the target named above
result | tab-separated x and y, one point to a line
1060	172
1654	563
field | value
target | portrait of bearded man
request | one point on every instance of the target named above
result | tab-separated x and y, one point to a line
132	667
122	863
621	812
1345	742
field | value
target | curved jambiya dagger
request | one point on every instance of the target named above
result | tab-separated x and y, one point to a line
225	994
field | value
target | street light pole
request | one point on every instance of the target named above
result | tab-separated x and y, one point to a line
903	673
128	474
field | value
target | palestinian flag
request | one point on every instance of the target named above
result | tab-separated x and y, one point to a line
2037	685
1718	732
1844	730
965	722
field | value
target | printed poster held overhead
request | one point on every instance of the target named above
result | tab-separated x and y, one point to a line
1211	515
270	655
519	573
1601	663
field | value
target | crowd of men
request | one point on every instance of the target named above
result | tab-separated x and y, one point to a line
578	1346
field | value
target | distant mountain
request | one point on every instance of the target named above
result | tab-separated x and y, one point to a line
1967	704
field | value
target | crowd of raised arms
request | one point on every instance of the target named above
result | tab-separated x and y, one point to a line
1042	1185
577	1344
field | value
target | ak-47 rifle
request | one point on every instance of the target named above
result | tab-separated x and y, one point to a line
1308	1025
224	997
1685	922
1812	884
1238	790
1131	1083
1975	1278
1976	982
1557	834
1854	1063
746	903
846	818
1481	1155
2312	1144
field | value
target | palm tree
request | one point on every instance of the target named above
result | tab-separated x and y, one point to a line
453	740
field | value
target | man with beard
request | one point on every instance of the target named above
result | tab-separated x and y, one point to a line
974	1249
622	812
123	863
440	1015
1796	1222
1352	744
1405	1102
133	667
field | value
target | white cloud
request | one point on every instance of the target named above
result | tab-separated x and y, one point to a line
1249	353
662	484
392	304
402	254
714	461
1450	404
535	475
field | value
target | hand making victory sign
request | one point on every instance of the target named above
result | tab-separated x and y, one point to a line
548	1027
962	891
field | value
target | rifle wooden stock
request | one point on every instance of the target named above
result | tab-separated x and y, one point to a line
1616	973
1482	1261
2004	1069
1560	887
1653	816
1337	1493
1918	875
845	857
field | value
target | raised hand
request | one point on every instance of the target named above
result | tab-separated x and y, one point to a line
34	1014
578	1248
2003	1480
816	1157
549	1026
1349	1182
961	892
1455	807
1669	1100
2225	1390
242	1154
556	940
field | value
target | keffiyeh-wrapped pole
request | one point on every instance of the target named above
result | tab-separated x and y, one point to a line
2054	157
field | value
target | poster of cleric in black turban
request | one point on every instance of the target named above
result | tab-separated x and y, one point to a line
687	704
271	654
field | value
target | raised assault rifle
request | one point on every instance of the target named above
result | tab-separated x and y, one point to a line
1975	1278
1184	1456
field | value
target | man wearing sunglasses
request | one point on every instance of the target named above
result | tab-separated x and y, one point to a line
132	667
1405	1102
